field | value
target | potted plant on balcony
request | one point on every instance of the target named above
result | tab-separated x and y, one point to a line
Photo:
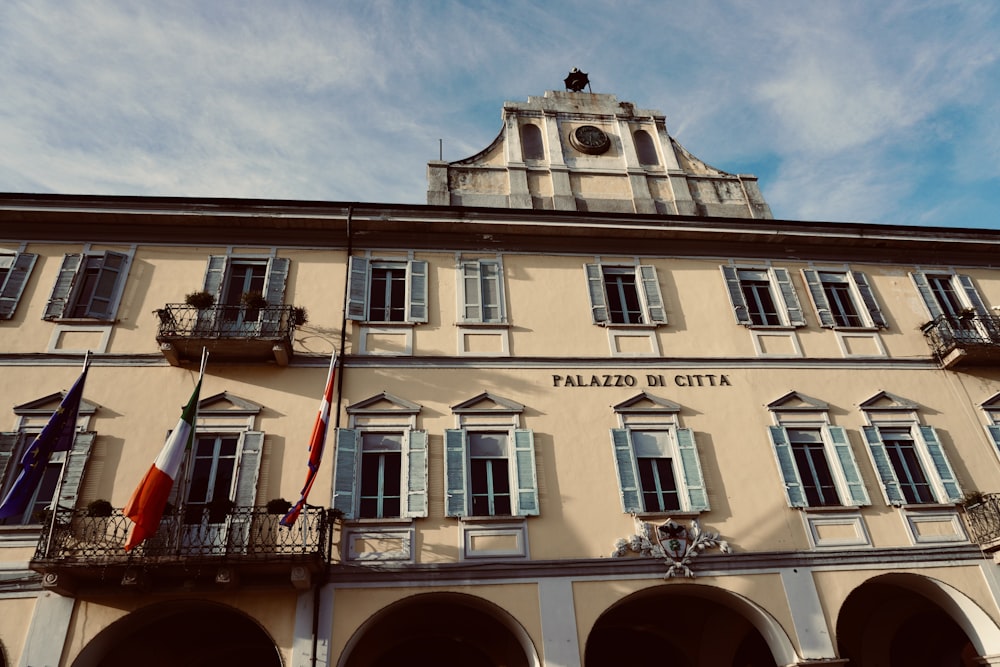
200	299
253	300
219	509
299	315
99	508
278	506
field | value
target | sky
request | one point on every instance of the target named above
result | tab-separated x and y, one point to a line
846	110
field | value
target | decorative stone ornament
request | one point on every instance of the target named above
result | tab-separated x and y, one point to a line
590	139
672	542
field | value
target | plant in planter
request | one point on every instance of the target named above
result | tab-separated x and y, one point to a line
299	315
219	509
253	300
200	300
278	506
99	508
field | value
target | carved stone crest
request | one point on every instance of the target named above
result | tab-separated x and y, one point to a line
672	542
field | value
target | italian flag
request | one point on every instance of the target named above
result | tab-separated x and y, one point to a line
148	500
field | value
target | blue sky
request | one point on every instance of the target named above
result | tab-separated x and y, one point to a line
847	110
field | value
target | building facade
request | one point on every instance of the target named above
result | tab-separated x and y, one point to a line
593	403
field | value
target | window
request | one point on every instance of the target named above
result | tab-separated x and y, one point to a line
373	467
14	272
482	291
230	278
992	409
912	464
531	142
644	148
387	291
818	466
88	286
625	295
763	297
659	470
490	473
843	299
949	294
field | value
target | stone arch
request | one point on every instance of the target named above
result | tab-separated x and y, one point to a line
700	624
444	628
208	634
532	146
882	617
644	148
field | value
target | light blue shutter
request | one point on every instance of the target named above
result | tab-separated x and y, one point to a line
848	465
345	470
61	291
13	286
274	294
472	311
654	300
109	278
890	483
732	278
868	296
792	307
418	291
357	289
245	491
786	465
973	294
628	474
992	429
595	285
455	472
416	475
73	469
924	287
215	276
694	480
941	465
525	474
815	286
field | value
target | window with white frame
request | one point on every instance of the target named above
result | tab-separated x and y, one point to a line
763	297
482	291
843	299
948	294
992	409
659	469
909	458
14	272
625	294
490	461
89	285
248	291
817	465
390	291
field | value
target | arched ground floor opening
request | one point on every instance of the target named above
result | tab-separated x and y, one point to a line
440	629
190	633
687	625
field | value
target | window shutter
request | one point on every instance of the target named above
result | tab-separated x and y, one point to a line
595	284
848	465
73	468
628	474
17	278
102	303
992	429
524	467
416	475
868	296
418	291
651	288
274	293
7	443
740	309
61	291
345	470
890	484
792	307
455	472
973	294
786	465
215	276
941	464
924	287
357	289
694	480
245	493
471	308
815	286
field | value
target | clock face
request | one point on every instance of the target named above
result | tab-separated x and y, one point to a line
590	139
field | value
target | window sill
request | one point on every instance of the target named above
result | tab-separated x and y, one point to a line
622	325
388	523
374	323
20	536
665	516
862	329
491	519
484	325
772	327
80	320
829	509
910	507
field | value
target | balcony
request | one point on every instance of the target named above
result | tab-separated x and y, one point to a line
982	516
194	547
231	333
966	340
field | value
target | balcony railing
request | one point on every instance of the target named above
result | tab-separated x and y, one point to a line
968	339
230	332
983	519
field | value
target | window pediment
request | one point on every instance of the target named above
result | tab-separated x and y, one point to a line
226	404
794	400
487	402
645	402
46	405
384	403
885	400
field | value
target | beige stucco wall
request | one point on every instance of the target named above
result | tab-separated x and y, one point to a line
15	619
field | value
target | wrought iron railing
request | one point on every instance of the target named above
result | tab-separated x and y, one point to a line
983	518
240	534
947	332
179	320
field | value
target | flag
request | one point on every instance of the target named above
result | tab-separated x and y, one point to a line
149	498
316	443
57	436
